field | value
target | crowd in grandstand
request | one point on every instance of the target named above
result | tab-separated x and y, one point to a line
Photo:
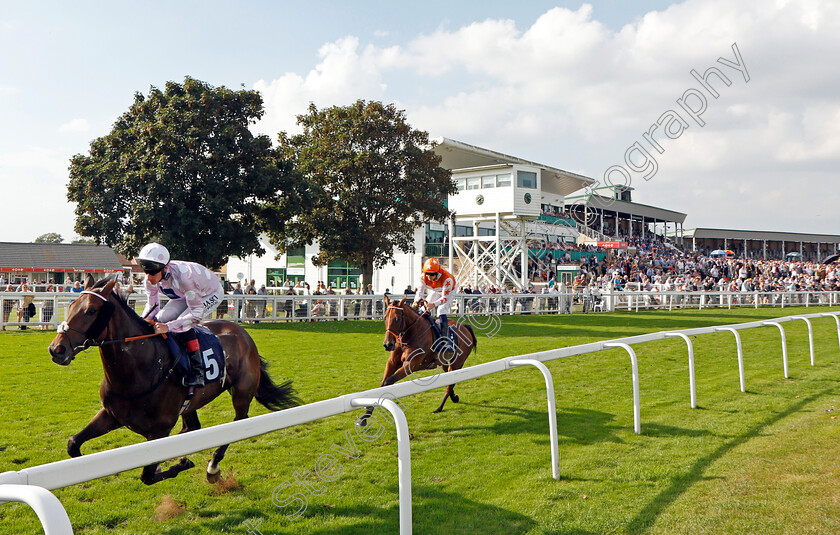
656	267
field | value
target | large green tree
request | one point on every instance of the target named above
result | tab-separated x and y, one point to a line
372	179
181	167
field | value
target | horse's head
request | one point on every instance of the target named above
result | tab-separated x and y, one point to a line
87	318
395	322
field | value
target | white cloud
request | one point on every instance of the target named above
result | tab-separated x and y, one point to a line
568	81
344	74
76	125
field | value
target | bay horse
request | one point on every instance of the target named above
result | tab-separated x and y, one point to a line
140	390
409	338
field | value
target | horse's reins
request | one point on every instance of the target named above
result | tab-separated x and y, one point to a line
89	341
98	326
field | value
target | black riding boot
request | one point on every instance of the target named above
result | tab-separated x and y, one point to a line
190	341
196	377
447	345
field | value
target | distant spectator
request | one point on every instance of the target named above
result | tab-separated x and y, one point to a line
8	305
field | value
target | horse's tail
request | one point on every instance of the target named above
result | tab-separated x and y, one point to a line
272	396
475	340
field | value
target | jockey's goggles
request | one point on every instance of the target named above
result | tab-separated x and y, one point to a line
151	268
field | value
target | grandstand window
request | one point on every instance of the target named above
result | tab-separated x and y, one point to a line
463	230
488	181
473	182
460	184
341	275
503	181
526	179
275	276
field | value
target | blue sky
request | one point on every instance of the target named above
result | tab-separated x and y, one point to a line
568	84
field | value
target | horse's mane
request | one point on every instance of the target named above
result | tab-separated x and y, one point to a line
144	325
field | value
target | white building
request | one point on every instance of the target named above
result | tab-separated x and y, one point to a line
498	209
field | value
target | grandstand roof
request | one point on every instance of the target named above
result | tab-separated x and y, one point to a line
460	155
608	204
735	234
57	257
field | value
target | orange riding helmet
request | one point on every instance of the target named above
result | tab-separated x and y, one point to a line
431	266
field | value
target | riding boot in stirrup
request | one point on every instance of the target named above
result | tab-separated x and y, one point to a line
445	345
196	378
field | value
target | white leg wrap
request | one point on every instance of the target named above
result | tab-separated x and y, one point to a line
213	470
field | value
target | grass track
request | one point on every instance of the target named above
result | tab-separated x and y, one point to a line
761	462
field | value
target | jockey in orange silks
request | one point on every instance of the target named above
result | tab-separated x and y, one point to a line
440	284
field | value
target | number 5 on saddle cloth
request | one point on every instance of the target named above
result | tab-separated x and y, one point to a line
211	354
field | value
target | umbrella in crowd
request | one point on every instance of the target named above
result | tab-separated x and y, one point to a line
794	255
722	252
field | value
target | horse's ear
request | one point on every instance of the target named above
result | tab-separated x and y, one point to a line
402	301
89	281
109	287
387	301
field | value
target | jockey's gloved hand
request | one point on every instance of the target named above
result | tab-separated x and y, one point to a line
421	309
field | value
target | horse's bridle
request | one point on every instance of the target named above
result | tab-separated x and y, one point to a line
103	317
399	335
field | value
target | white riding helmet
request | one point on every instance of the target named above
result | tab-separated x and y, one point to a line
153	258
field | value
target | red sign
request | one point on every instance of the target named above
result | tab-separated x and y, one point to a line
613	244
58	270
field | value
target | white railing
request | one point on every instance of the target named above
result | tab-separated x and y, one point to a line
670	300
93	466
51	308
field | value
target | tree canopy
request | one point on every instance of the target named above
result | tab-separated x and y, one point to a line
372	179
49	237
182	168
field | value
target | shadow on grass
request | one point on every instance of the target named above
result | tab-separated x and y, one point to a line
581	426
645	519
433	510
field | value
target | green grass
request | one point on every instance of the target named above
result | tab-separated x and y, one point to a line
760	462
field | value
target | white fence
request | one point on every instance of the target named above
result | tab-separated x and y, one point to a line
24	485
634	300
50	309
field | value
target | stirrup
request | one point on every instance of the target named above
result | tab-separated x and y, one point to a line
196	381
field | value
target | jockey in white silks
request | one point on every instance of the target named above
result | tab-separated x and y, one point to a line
194	292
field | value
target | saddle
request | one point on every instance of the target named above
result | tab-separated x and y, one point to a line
211	352
437	338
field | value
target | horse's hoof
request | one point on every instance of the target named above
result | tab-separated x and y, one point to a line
437	411
362	421
214	473
455	399
149	480
73	449
185	464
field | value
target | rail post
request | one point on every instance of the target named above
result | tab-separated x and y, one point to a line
836	320
784	344
810	335
637	425
740	353
403	455
691	383
552	411
50	512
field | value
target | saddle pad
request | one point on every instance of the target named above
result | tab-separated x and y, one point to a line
211	353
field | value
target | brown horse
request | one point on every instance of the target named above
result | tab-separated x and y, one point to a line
140	390
409	338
